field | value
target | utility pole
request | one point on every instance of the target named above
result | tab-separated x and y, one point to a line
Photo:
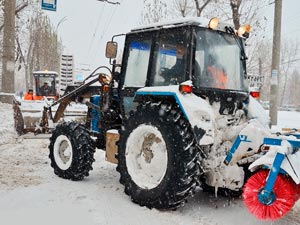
275	62
8	54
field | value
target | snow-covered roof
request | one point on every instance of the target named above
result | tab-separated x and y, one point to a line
198	21
45	72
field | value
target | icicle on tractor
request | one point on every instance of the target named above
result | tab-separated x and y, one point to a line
180	106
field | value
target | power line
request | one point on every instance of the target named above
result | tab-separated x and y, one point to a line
96	29
110	2
105	29
294	60
286	62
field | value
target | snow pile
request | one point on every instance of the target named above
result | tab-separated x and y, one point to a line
19	163
19	160
7	132
256	111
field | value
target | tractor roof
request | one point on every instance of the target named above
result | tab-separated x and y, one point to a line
197	21
45	72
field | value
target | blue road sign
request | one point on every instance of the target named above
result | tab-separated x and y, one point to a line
49	5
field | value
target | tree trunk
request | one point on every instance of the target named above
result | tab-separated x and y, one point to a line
235	5
199	8
8	55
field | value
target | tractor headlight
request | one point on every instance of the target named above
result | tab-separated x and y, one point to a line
213	23
244	30
105	79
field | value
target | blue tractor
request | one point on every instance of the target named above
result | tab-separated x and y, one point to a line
171	115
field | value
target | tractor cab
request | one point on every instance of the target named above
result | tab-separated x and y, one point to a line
45	83
209	54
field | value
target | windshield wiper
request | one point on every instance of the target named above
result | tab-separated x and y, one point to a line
230	30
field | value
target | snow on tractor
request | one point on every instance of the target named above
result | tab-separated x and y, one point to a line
179	115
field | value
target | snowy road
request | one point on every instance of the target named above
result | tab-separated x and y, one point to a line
30	194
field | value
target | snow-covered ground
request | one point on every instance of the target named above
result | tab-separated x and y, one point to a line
30	193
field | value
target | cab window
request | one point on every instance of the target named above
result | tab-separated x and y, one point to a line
170	58
137	63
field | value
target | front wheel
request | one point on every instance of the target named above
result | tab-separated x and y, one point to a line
71	151
280	201
157	157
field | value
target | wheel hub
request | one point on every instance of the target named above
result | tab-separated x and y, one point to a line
147	144
265	197
64	151
146	156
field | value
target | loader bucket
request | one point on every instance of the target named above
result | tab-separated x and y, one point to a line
30	116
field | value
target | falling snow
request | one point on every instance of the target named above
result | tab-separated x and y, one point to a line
30	194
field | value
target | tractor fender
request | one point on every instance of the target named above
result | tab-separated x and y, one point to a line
290	164
198	112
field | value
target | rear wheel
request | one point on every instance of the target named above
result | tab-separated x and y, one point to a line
157	158
71	151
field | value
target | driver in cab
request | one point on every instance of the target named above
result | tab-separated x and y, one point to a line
45	89
217	74
175	74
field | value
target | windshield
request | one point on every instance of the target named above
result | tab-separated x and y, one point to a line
45	84
218	61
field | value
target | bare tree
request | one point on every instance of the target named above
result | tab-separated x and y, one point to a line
183	6
38	47
235	7
18	9
154	11
42	51
293	93
264	54
289	52
191	7
8	45
200	6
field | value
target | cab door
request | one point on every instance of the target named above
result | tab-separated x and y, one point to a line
134	74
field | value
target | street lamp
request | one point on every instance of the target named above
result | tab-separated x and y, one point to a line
60	22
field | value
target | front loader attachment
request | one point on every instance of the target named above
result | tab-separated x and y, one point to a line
27	115
40	116
32	116
82	92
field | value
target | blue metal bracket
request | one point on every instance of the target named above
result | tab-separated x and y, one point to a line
234	147
274	171
277	141
95	114
295	135
266	195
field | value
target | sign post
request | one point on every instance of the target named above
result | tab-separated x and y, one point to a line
49	5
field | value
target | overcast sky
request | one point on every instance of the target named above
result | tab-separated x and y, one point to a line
85	25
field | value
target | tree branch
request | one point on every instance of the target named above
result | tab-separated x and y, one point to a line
18	9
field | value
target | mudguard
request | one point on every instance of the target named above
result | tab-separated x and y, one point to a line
197	111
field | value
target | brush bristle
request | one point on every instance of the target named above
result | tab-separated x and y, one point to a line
285	190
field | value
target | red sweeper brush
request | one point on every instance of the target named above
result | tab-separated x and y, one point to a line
283	196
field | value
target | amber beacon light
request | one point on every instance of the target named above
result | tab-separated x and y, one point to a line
213	23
